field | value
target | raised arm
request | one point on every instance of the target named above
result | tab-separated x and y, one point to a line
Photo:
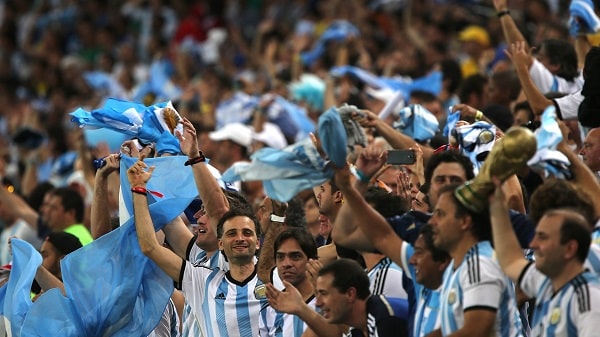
138	175
519	55
20	207
395	138
359	214
275	225
506	244
47	280
583	176
212	196
511	32
100	212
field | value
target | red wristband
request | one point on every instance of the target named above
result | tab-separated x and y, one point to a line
139	190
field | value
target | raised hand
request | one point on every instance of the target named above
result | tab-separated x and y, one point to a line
188	140
139	173
289	301
371	160
112	164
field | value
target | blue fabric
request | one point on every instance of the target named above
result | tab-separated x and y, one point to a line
584	10
431	83
284	172
132	119
417	122
338	31
15	299
547	159
475	141
303	125
297	167
112	288
333	137
453	117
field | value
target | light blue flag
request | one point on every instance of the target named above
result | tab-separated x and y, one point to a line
297	167
112	288
15	299
417	122
453	117
134	120
431	83
338	31
584	10
547	159
293	119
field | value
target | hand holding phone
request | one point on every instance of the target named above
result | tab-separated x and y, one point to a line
401	157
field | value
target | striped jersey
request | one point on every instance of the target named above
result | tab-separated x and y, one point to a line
190	324
386	279
278	324
428	300
572	311
478	282
227	307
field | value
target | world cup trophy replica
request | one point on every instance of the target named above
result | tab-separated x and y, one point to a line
509	154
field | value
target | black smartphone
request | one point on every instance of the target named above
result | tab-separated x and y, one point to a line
401	157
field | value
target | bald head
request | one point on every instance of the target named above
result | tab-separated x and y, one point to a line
590	151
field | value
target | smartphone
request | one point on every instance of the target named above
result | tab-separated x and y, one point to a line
401	157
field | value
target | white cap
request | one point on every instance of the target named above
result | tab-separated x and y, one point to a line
235	132
271	135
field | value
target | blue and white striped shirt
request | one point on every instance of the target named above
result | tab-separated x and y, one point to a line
228	307
572	311
277	324
478	281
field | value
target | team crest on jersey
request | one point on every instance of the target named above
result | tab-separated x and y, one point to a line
555	316
260	291
452	296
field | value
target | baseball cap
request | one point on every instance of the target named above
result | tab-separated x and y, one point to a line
235	132
271	135
475	34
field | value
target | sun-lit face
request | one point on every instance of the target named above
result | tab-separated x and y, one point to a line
239	241
428	271
334	305
206	238
291	262
447	229
549	252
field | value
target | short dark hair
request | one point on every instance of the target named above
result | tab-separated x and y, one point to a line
232	213
294	213
348	273
481	227
574	227
448	157
438	255
237	200
558	193
387	204
452	73
70	200
302	236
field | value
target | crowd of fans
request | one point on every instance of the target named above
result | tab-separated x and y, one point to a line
378	248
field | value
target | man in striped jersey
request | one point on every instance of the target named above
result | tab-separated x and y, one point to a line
567	296
212	294
479	306
292	249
